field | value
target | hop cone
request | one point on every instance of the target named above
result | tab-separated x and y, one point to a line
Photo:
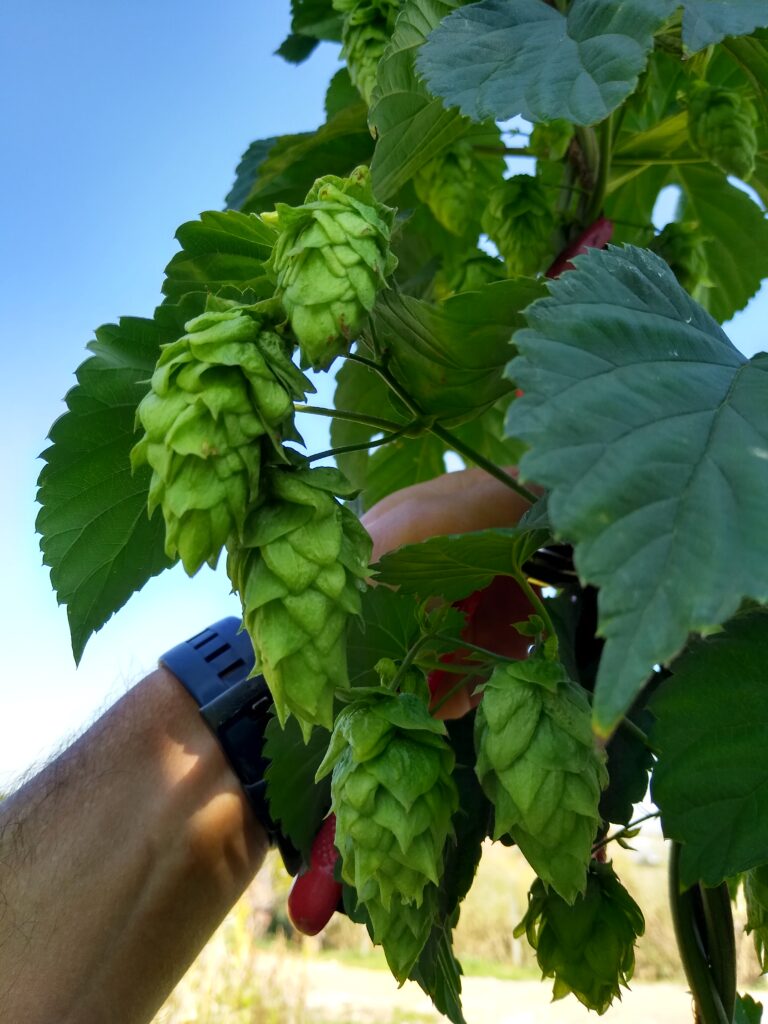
550	141
213	394
452	187
587	947
393	796
298	571
538	764
682	246
722	126
756	894
520	222
330	259
402	930
467	275
368	26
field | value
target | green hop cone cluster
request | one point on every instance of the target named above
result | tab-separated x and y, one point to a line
722	127
452	187
587	947
538	764
519	220
330	259
756	895
394	796
681	244
214	393
550	141
365	34
299	571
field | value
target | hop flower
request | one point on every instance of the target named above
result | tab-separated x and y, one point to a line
213	394
520	222
393	796
538	763
402	930
454	188
298	571
550	141
681	244
587	947
722	127
368	26
330	259
756	895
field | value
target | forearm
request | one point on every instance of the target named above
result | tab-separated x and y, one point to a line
118	861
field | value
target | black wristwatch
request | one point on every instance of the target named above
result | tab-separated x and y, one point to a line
215	667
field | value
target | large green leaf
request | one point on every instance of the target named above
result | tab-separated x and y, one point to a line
294	161
709	21
411	125
736	230
458	565
711	778
451	356
95	533
311	21
218	250
500	58
248	171
296	801
651	430
387	629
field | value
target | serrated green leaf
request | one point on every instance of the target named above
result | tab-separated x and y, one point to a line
219	250
650	429
451	356
311	21
295	161
456	566
296	801
247	171
412	126
629	762
748	1011
95	533
341	94
386	629
709	21
296	48
727	218
711	778
501	58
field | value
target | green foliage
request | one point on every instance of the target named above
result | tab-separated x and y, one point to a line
711	756
756	895
640	535
639	425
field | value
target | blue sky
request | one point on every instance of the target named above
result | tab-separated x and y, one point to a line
120	121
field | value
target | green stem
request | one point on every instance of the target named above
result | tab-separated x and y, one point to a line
349	417
473	647
345	449
603	170
447	696
390	381
709	1006
407	661
720	942
623	831
629	726
479	460
536	602
505	150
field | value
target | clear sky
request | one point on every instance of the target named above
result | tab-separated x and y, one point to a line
119	122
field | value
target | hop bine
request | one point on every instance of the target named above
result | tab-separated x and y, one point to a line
215	392
329	261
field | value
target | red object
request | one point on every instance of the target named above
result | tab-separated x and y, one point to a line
596	236
316	893
490	614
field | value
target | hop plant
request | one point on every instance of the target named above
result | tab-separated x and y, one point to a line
681	244
402	929
214	393
393	796
452	187
756	895
330	259
519	220
722	127
299	570
366	31
538	764
587	947
550	141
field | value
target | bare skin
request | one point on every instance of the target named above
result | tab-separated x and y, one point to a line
119	860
